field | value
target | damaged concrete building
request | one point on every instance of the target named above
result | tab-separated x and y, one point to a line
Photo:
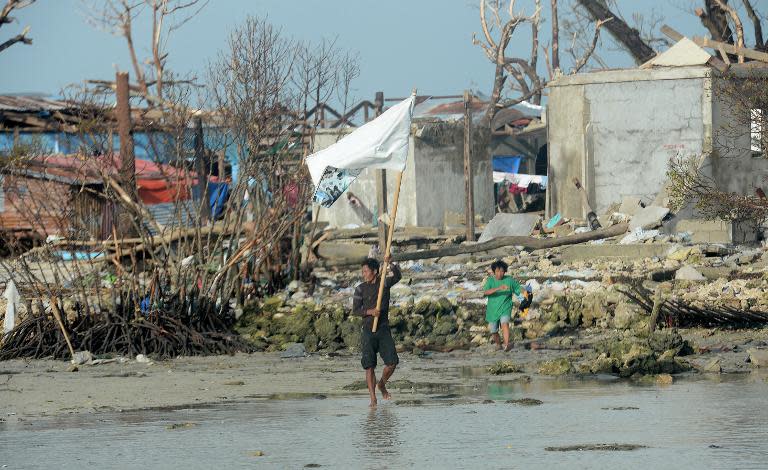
432	191
617	130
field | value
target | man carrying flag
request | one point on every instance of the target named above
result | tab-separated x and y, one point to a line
379	144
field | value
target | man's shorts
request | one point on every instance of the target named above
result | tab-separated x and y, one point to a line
380	343
494	325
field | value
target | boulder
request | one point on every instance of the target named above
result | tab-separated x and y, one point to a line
680	254
758	357
689	273
444	325
326	329
593	308
604	365
713	366
560	366
296	325
625	314
638	359
552	328
292	350
504	367
664	379
664	340
311	342
350	333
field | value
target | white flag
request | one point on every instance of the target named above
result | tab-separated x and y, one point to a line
381	144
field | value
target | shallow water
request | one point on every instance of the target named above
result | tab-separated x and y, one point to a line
694	423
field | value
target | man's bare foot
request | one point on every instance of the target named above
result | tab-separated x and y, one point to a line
384	392
508	347
373	403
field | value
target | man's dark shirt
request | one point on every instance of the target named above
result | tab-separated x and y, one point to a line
367	293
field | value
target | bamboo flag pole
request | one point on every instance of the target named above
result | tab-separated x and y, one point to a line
392	219
389	246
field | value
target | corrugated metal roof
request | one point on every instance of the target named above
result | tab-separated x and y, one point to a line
31	103
171	214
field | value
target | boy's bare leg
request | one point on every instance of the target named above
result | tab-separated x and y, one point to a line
388	371
370	380
496	339
505	332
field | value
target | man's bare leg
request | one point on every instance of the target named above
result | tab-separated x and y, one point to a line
496	339
388	371
370	380
505	332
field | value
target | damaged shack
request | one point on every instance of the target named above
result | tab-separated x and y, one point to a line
62	195
618	130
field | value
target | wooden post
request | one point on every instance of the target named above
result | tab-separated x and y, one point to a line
127	173
201	168
469	206
123	115
381	183
384	266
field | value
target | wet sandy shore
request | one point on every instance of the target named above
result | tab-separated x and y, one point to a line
35	389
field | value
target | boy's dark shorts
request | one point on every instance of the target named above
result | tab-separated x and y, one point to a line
380	343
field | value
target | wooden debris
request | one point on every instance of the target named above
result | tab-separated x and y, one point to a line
501	242
681	314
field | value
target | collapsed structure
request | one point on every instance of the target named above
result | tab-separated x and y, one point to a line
618	130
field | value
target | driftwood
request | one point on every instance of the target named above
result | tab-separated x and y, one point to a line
170	326
676	313
500	242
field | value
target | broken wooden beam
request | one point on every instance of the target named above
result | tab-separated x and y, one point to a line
721	66
529	243
731	49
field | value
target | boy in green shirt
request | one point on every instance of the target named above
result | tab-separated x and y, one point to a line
499	289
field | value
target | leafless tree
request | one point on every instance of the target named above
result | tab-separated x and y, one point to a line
626	35
265	86
118	16
498	23
5	18
724	22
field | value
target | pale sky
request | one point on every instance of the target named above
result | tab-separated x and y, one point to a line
402	43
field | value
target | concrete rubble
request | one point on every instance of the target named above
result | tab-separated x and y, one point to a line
580	300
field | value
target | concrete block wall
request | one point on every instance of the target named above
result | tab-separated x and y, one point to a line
617	131
717	231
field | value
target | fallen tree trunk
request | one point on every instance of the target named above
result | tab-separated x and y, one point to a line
500	242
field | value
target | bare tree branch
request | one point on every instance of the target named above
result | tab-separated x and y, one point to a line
555	40
583	61
5	18
22	38
736	22
715	20
757	23
627	36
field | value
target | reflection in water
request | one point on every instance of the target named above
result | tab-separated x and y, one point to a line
380	432
697	423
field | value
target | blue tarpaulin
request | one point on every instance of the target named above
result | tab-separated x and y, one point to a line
218	197
218	193
507	163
